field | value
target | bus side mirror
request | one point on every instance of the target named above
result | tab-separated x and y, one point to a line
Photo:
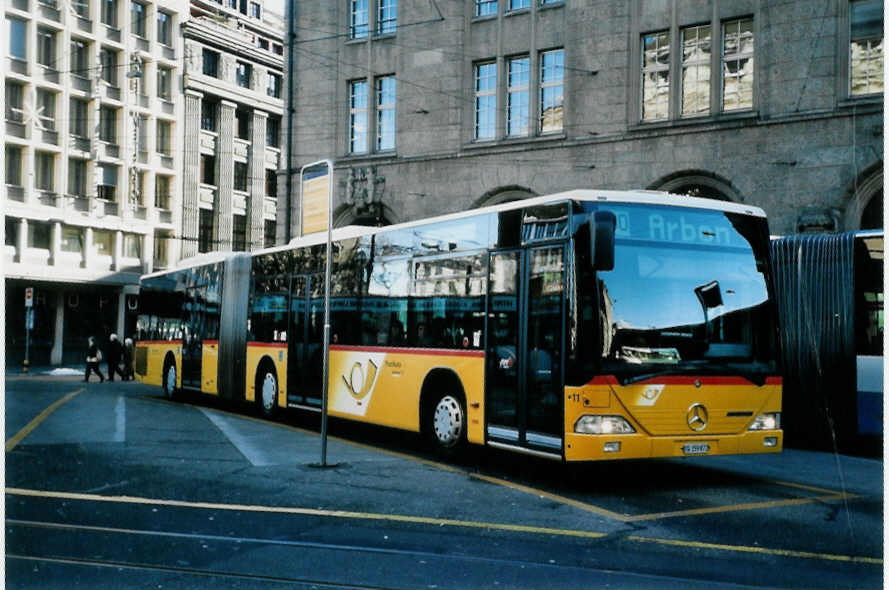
602	226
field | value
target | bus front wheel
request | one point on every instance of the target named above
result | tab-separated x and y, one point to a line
267	392
446	425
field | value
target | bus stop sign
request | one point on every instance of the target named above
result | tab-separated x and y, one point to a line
29	297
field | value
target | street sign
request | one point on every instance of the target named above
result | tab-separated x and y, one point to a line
29	296
316	184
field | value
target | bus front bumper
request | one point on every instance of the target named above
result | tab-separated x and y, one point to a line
603	447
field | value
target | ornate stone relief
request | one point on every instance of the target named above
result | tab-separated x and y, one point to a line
365	189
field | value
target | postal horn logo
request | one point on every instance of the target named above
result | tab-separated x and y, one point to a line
359	383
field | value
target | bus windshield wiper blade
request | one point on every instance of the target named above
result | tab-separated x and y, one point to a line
757	377
630	379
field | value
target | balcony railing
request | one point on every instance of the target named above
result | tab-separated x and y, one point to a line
49	10
18	66
15	193
76	203
84	24
48	198
82	144
112	33
81	83
16	129
48	74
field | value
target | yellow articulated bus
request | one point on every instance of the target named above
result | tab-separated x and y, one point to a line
579	326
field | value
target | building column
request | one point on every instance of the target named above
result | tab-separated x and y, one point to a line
55	244
121	315
148	252
191	174
55	355
21	241
256	172
117	251
88	247
225	177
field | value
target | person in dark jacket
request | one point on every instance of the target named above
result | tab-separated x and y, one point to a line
92	361
115	350
128	350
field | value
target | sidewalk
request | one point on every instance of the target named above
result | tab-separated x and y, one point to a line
46	370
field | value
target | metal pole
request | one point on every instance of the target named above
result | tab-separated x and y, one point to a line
27	338
326	369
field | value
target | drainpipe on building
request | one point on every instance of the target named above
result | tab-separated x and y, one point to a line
291	37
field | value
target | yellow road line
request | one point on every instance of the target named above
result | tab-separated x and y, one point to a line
826	495
439	522
11	443
739	507
308	512
760	550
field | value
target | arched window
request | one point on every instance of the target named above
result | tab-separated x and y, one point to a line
697	183
864	207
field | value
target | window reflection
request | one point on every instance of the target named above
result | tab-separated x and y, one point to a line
686	287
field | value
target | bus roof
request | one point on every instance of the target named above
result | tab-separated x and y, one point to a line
615	196
583	195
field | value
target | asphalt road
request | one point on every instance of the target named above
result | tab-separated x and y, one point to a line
111	486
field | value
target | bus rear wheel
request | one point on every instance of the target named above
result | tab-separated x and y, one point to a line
170	380
446	425
267	392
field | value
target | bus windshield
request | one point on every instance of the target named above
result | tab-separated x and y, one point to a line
688	295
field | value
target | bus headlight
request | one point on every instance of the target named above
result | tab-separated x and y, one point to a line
603	425
769	421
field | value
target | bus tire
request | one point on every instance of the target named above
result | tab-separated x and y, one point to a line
169	382
445	423
266	388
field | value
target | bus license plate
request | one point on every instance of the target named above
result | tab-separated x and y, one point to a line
696	449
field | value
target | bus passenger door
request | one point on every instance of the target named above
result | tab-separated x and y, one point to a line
502	356
296	339
192	331
544	284
313	373
523	373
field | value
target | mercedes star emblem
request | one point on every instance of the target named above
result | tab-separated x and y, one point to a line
697	417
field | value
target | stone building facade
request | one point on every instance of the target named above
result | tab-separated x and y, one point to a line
433	107
92	168
232	117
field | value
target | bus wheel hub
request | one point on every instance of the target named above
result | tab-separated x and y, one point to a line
448	421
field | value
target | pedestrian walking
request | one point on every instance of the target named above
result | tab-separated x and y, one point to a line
115	351
128	351
93	356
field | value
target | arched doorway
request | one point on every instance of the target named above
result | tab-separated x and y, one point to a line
872	216
503	194
698	183
864	207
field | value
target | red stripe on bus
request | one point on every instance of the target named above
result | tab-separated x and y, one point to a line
158	342
267	344
685	380
426	351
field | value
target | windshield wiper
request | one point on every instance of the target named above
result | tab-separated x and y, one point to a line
748	372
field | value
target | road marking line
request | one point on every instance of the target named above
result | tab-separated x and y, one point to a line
15	440
760	550
250	451
519	528
740	507
308	512
120	420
